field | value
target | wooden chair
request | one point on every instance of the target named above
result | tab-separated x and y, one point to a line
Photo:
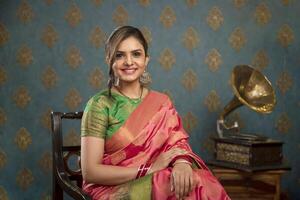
64	178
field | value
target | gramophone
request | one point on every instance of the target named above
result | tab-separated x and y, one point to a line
247	151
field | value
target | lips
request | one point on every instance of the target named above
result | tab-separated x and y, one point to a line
129	71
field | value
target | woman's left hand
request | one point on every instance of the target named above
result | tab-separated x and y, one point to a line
182	180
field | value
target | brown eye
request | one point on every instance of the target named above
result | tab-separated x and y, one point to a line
118	55
137	54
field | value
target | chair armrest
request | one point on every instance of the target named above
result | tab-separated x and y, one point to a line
70	188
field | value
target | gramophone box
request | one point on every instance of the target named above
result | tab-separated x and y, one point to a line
248	153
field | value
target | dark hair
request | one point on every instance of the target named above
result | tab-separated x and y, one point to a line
113	42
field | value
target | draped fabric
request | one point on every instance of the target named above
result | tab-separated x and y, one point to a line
152	128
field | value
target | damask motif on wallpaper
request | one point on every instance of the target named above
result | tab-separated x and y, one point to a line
193	47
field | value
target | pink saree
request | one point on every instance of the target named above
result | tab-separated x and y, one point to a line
152	128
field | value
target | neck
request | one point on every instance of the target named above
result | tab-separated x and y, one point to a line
131	90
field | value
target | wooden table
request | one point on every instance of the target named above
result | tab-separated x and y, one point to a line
257	185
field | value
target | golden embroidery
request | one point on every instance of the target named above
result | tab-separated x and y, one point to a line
73	15
190	121
49	78
285	35
191	3
283	124
46	119
190	39
208	143
147	34
262	14
4	34
97	37
3	194
25	12
24	56
49	36
49	2
286	2
120	192
46	197
145	3
167	59
96	78
97	2
138	141
23	139
73	57
2	160
21	97
260	61
3	76
189	79
24	178
167	17
284	82
72	138
73	99
237	39
3	117
120	16
118	157
215	18
212	101
45	162
239	3
213	60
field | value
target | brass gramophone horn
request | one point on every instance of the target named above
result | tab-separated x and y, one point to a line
251	88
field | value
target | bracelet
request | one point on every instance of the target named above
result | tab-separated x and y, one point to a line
142	170
182	161
185	157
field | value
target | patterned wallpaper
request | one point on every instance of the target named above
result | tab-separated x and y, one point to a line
52	58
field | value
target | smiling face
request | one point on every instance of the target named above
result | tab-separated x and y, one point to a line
130	60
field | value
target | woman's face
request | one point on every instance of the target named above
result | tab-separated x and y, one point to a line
130	60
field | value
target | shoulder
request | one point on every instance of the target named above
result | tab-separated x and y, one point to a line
162	97
100	99
158	94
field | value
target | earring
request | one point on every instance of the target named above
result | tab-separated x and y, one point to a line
145	78
116	81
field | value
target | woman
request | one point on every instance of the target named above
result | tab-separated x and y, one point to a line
133	143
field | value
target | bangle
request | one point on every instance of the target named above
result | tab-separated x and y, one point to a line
142	170
182	161
185	157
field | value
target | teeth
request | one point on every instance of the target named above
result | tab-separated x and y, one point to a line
129	71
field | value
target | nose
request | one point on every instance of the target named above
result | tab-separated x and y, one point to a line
128	60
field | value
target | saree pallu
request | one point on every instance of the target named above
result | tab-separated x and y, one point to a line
153	127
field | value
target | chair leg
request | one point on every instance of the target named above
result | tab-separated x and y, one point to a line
57	193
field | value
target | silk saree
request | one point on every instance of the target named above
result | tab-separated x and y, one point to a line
153	127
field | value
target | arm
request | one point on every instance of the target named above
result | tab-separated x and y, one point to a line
93	171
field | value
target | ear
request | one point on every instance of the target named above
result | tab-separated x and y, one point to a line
147	61
107	60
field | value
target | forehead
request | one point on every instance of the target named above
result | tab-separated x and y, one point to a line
129	44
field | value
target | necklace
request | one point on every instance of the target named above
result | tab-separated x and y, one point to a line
140	97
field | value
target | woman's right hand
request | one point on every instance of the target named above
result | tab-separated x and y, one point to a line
164	159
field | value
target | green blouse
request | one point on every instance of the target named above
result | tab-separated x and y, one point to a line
104	115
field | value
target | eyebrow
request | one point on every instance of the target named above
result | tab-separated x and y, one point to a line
135	50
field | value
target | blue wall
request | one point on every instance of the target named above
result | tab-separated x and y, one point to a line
52	58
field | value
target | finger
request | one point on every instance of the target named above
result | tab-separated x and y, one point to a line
191	183
172	182
177	186
186	185
182	186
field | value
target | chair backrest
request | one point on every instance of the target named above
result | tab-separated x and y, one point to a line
65	179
